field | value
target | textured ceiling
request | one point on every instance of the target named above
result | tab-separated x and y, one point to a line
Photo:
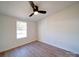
22	9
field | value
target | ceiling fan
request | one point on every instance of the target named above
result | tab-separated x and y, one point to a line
35	9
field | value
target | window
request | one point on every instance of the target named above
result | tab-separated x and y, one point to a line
21	29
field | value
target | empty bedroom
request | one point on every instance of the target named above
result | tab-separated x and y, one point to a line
39	28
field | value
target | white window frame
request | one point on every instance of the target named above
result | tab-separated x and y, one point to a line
21	32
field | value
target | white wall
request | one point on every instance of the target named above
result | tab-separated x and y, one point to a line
61	29
8	33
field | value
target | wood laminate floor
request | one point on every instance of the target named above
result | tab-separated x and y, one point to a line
37	49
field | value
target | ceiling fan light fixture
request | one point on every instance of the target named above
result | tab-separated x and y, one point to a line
36	12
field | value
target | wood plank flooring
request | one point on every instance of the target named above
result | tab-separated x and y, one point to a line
37	49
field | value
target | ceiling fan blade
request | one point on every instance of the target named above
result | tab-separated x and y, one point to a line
31	14
43	12
36	8
32	4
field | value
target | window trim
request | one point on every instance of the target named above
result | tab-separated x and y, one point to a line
17	30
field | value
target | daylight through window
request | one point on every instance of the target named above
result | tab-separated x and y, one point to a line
21	29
